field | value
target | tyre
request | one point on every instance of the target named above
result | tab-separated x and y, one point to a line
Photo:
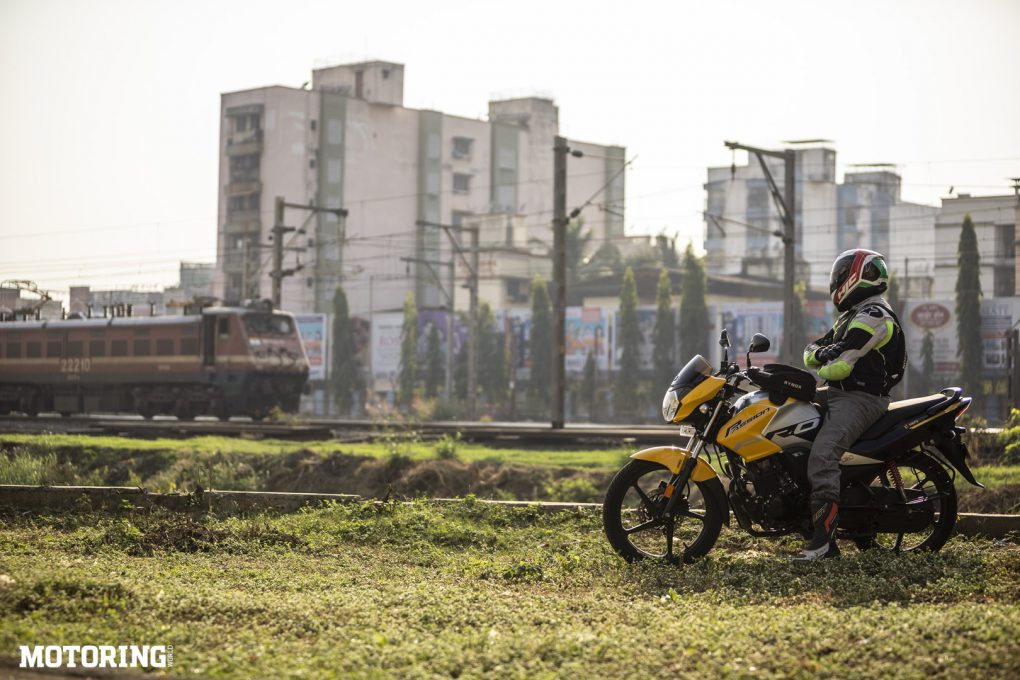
633	506
923	473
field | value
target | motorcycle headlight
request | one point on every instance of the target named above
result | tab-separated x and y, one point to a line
670	404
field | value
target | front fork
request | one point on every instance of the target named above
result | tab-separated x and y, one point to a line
680	480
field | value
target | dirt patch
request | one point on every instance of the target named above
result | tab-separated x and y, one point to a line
399	476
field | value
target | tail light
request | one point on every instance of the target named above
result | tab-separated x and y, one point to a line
963	408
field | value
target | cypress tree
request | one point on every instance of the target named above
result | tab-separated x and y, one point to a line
434	369
927	364
693	310
797	325
541	345
968	308
589	386
664	335
893	294
346	374
491	359
628	337
408	375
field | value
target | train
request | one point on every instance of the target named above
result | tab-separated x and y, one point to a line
223	362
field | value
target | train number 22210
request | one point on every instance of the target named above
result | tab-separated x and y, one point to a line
76	365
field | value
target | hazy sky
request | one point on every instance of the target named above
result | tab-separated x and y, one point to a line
109	127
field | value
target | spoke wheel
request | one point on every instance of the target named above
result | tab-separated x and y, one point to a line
919	474
633	522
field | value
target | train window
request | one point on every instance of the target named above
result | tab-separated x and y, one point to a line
118	348
75	348
268	324
223	326
141	331
189	346
53	348
165	347
13	349
97	348
33	350
141	348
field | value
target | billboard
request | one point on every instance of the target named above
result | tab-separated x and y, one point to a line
587	330
385	346
314	332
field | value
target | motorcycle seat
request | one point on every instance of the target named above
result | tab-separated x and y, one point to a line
899	411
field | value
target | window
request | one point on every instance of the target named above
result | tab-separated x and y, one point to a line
223	326
53	348
313	125
118	348
165	347
266	324
75	348
311	162
457	217
462	147
189	346
97	348
33	350
13	349
461	183
359	84
141	348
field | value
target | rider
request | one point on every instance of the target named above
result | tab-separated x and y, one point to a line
861	358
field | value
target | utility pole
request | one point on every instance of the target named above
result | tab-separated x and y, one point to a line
560	221
472	268
279	273
786	202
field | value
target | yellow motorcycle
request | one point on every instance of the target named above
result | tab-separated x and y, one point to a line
897	479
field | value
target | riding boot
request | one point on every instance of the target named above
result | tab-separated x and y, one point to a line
824	517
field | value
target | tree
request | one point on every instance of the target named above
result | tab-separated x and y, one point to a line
629	338
968	308
589	386
664	334
799	339
541	345
927	364
576	244
693	310
434	367
893	294
667	251
408	375
491	357
346	374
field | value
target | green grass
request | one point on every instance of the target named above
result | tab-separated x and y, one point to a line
995	476
471	590
605	458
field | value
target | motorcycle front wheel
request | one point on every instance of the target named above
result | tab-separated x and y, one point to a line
633	522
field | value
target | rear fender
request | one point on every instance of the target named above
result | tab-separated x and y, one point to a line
951	446
673	458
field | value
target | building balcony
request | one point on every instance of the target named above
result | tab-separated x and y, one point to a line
244	143
241	220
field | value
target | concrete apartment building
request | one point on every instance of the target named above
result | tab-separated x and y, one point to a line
865	211
348	140
995	224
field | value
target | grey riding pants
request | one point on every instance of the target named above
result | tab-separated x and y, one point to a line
850	414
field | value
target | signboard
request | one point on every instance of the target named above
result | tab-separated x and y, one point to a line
314	332
587	331
742	321
386	349
939	318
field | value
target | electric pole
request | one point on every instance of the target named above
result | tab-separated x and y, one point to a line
472	268
560	221
786	202
279	273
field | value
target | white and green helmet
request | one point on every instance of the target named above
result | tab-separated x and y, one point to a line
857	275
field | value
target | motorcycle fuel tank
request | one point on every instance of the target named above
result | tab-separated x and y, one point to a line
760	428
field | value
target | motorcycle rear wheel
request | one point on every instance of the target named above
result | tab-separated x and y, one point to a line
920	472
629	515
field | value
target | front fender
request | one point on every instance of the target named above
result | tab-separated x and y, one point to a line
673	458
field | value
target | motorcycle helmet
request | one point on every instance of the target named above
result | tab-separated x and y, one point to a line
856	275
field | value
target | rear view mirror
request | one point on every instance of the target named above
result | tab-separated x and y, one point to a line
759	343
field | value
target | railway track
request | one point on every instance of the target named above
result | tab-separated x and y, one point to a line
529	433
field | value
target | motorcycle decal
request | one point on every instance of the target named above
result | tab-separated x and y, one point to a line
744	423
795	429
856	459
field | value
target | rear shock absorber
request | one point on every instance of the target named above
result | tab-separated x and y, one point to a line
894	472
